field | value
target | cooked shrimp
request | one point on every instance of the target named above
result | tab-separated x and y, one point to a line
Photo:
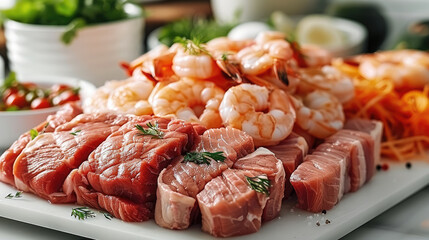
131	97
190	100
319	113
194	61
267	36
407	69
125	96
155	64
257	59
225	45
266	62
315	56
267	117
326	78
97	102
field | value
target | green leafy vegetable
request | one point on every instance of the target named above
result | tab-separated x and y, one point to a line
74	13
82	213
33	133
71	31
260	184
10	80
17	195
202	29
152	130
75	132
204	157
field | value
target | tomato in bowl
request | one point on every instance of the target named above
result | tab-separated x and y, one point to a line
22	110
17	95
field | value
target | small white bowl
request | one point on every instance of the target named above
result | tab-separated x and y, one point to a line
94	54
15	123
257	10
356	37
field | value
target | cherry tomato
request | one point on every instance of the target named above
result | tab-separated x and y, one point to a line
9	92
16	99
40	103
64	97
56	88
29	85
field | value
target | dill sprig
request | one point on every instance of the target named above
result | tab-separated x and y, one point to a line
17	195
192	46
82	213
260	184
75	132
204	157
33	133
152	130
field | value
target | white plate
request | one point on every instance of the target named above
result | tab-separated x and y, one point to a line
385	190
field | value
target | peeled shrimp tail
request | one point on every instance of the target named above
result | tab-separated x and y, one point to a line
266	116
319	113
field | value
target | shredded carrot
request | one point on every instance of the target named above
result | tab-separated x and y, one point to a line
405	114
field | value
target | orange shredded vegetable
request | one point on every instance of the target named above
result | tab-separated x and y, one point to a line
405	115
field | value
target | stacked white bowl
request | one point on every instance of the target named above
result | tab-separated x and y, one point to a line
94	55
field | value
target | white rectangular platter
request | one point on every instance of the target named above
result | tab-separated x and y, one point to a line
385	190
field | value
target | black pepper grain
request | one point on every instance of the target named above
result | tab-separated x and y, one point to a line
318	223
408	165
378	167
323	211
327	221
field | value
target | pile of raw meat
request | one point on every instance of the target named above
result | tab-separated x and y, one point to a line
103	161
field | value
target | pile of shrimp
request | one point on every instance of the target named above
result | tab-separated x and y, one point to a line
393	87
266	87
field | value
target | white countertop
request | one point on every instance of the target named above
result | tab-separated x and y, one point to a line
407	220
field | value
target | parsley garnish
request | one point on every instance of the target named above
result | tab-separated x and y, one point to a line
33	133
203	157
260	184
75	132
82	213
152	130
17	195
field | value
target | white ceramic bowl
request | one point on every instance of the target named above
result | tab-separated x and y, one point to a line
94	54
356	35
13	124
256	10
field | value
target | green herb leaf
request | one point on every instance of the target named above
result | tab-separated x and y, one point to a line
108	215
67	7
71	31
260	184
192	46
202	29
12	109
75	132
82	213
17	195
204	157
152	130
10	80
33	133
